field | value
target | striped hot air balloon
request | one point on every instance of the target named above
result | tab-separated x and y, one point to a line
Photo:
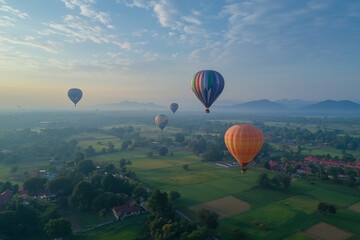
75	95
244	141
161	121
207	86
174	107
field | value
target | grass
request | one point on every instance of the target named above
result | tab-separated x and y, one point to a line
19	176
83	219
298	236
128	229
286	212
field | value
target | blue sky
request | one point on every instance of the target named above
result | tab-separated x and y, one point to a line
148	51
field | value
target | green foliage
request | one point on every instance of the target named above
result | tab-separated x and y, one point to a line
125	145
82	195
61	186
158	202
90	151
85	166
263	181
237	234
185	167
209	218
179	137
57	228
105	201
174	195
35	184
324	208
115	184
163	151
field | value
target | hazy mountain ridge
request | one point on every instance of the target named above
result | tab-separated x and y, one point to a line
334	106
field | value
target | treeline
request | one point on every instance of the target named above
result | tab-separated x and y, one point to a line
86	187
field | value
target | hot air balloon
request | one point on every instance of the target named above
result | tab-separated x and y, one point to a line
244	141
161	121
207	86
174	107
75	95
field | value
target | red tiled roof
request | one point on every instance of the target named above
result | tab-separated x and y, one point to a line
127	208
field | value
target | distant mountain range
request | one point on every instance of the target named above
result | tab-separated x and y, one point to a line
295	103
260	105
333	106
295	106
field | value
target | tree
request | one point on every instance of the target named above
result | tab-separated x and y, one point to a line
61	186
14	169
263	180
125	145
90	151
82	195
237	234
57	228
163	151
324	208
212	155
111	147
150	154
79	156
285	180
34	185
179	137
105	200
110	168
174	195
158	202
85	166
122	163
209	218
186	167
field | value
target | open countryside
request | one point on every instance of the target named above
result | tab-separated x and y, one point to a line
218	186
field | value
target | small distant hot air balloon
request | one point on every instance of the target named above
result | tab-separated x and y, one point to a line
75	95
174	107
207	86
161	121
244	142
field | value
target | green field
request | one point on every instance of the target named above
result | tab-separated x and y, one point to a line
18	177
294	209
130	228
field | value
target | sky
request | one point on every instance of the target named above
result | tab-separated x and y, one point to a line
149	50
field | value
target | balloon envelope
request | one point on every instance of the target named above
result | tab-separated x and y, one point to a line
174	107
161	121
244	142
75	95
207	85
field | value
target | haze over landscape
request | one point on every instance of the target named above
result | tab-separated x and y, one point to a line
148	51
179	120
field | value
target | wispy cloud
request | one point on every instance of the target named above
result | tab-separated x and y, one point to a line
8	9
191	20
27	43
77	29
87	10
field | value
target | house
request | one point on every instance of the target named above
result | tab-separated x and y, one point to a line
127	210
4	198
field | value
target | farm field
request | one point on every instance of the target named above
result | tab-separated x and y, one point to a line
295	209
131	228
326	231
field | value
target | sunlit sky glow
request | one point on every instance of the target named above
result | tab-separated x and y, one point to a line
148	51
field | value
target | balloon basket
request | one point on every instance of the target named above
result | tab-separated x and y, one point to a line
207	110
243	170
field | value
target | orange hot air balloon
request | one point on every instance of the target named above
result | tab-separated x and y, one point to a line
244	141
